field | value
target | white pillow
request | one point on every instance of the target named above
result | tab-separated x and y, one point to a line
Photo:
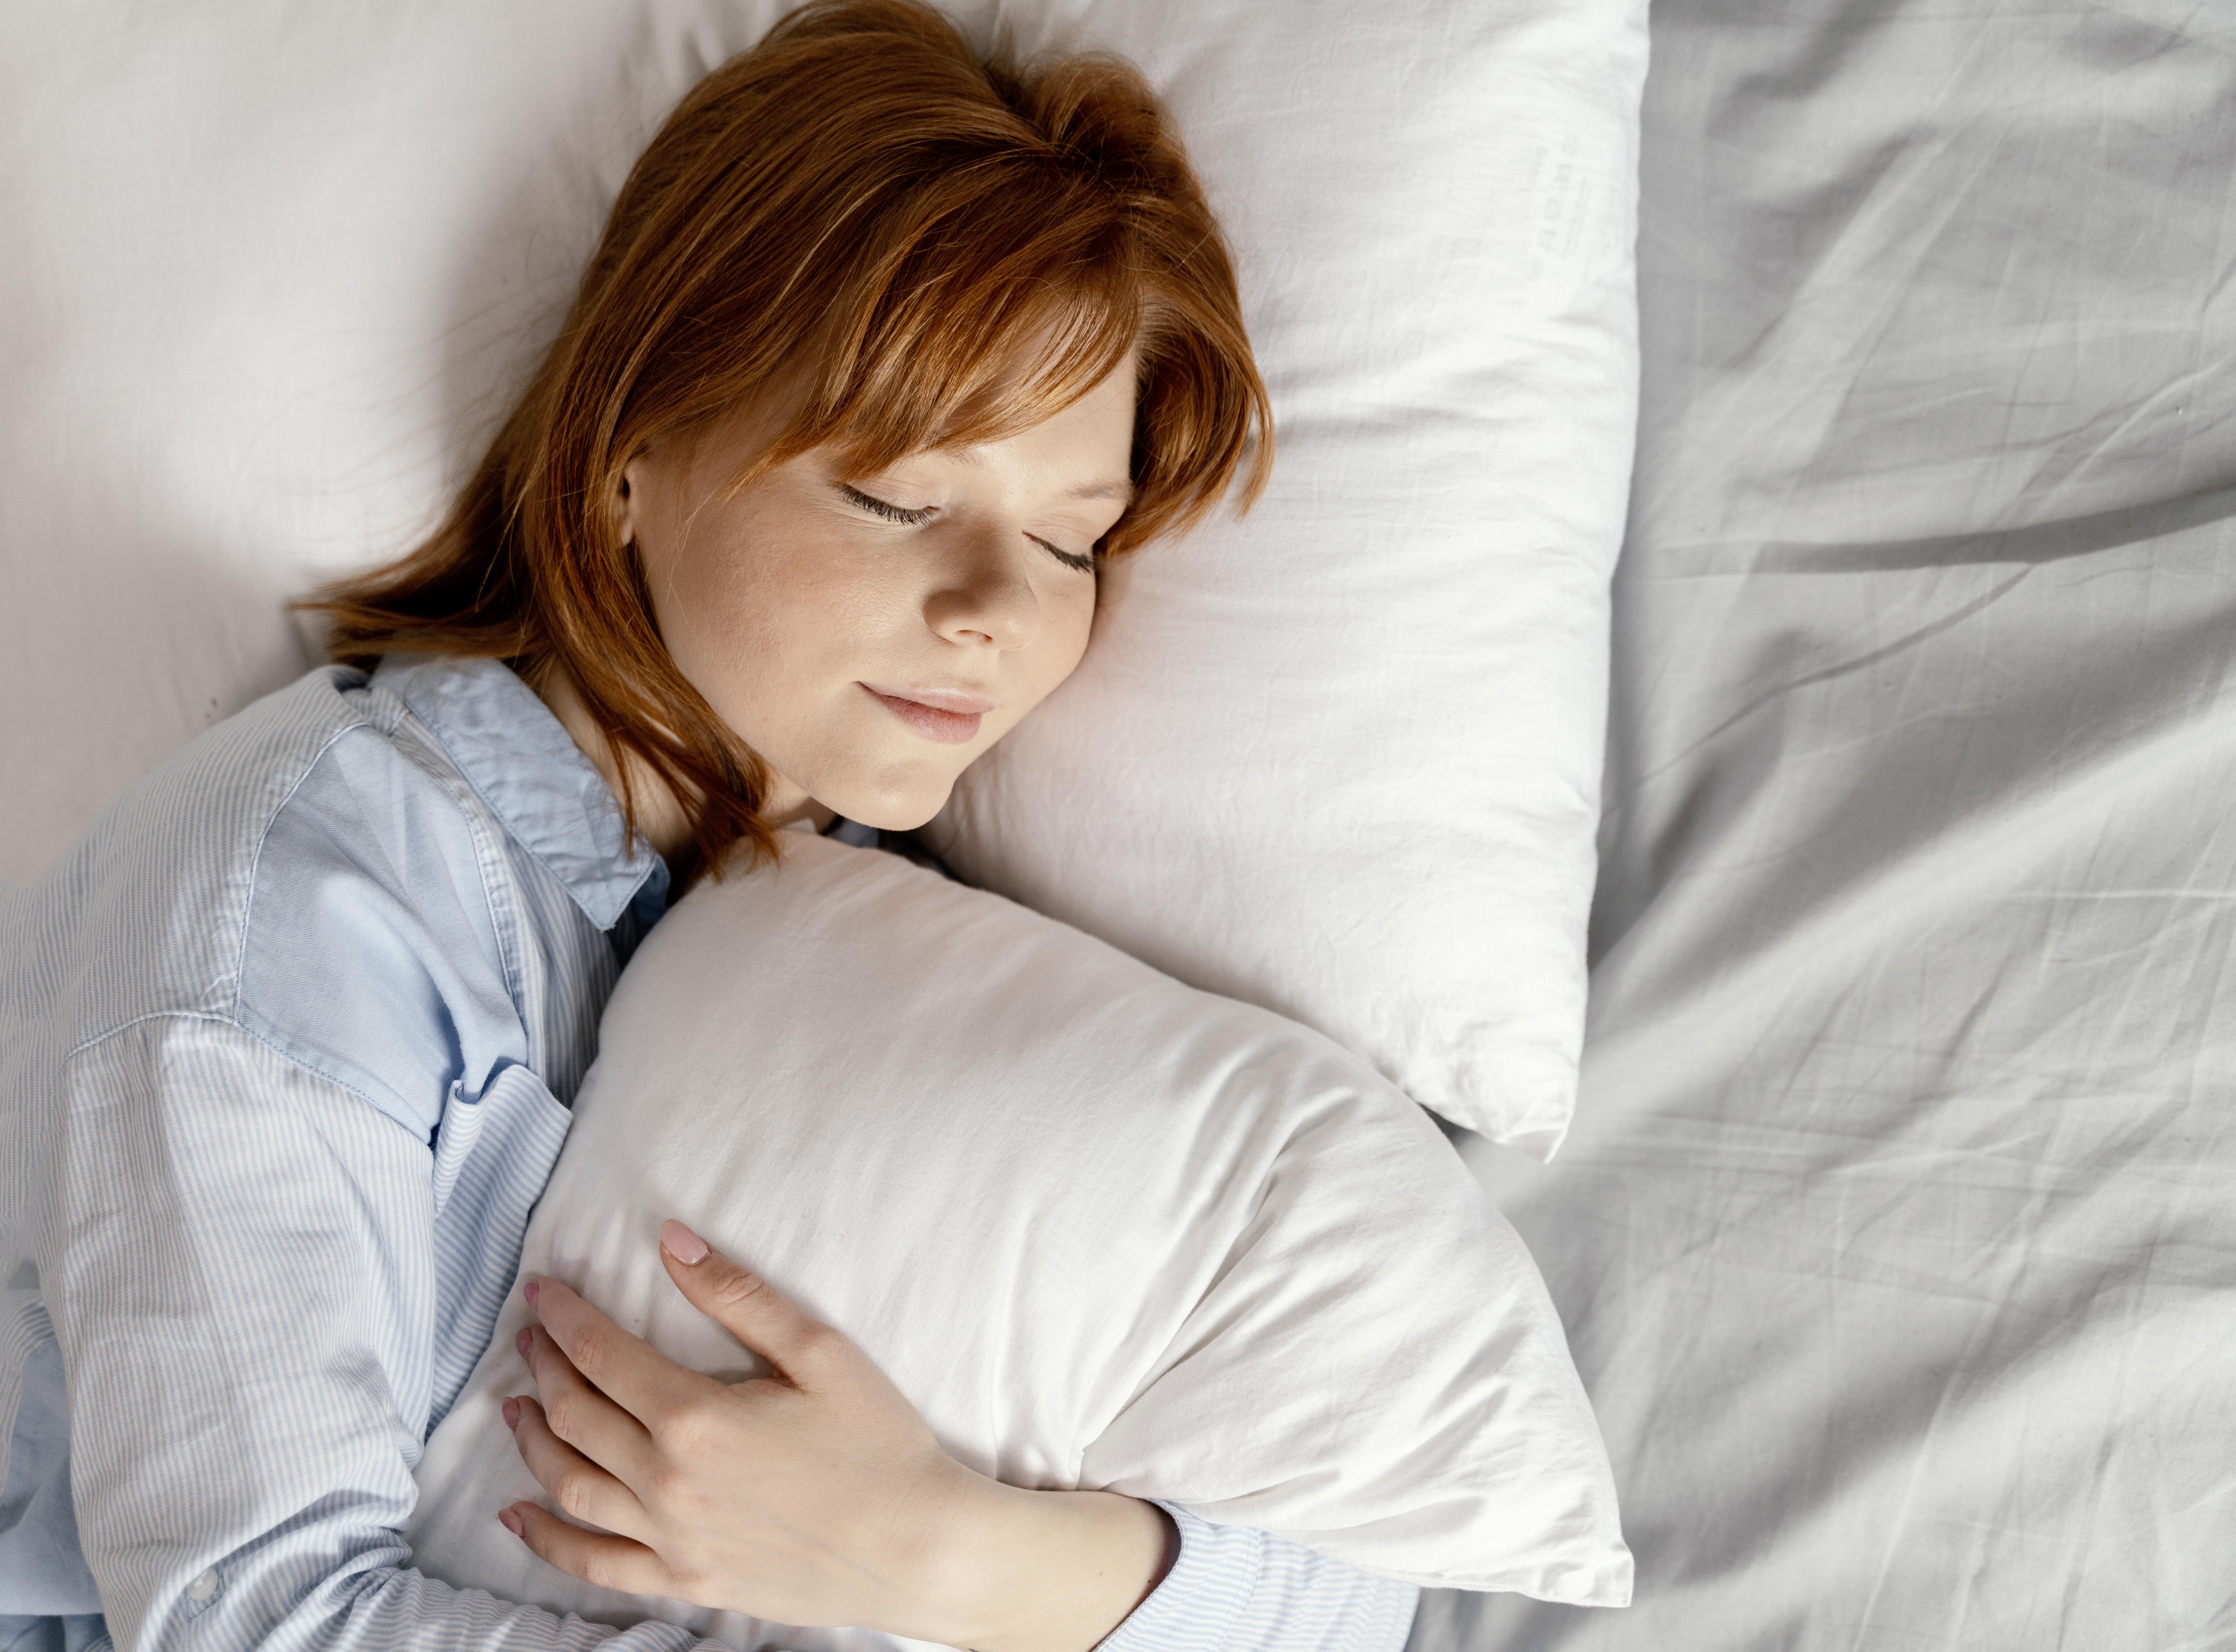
1102	1230
1342	760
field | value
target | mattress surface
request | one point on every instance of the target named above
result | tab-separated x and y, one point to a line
1896	1235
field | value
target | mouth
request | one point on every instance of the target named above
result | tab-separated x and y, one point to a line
942	714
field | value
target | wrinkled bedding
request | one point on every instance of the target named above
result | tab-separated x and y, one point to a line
1897	1234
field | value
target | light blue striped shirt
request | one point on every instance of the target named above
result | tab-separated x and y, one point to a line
286	1049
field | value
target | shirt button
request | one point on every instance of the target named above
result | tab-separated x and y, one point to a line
203	1589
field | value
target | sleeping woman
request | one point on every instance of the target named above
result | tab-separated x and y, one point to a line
884	353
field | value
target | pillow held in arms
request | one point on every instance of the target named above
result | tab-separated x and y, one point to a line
1104	1230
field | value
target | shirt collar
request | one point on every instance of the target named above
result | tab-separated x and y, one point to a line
526	766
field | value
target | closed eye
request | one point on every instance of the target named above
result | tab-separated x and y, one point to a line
1069	559
892	512
882	508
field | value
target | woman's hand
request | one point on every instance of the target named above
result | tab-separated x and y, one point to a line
816	1496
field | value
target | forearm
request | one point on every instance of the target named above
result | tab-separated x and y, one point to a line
388	1608
227	1292
1047	1572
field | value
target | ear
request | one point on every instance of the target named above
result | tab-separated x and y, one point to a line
627	492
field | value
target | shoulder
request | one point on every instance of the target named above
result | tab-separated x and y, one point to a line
143	915
312	869
371	950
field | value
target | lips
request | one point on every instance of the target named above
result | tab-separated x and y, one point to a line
942	714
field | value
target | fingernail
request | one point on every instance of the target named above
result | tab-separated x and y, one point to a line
510	1411
681	1243
522	1342
529	1291
510	1521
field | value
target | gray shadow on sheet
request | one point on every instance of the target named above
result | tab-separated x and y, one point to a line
2045	542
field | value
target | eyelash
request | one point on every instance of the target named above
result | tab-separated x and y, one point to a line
890	512
916	518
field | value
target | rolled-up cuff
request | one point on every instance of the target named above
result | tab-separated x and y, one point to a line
1202	1598
1235	1589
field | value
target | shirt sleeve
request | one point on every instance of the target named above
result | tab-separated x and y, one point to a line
1234	1589
243	1294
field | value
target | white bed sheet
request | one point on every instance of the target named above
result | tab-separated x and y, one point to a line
1896	1233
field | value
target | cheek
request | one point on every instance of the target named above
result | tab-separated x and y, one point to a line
746	606
772	619
1076	623
711	604
1066	623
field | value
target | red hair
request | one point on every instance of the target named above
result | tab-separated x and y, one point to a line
861	210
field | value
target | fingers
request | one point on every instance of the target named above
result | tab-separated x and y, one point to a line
609	1563
579	1415
746	1305
582	1490
642	1383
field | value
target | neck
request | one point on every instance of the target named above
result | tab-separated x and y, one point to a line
661	821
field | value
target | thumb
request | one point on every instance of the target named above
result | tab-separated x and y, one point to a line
740	1301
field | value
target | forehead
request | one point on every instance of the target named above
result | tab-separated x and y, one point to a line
1116	487
1078	465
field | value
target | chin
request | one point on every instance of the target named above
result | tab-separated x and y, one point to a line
890	808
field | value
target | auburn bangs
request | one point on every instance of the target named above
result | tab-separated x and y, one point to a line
917	249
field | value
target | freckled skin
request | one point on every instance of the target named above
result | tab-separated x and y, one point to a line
781	602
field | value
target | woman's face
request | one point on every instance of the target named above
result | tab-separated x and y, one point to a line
870	636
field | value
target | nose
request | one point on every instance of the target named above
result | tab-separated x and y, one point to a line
985	598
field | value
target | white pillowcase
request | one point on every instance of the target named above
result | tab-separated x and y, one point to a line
1341	760
1343	757
1102	1230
